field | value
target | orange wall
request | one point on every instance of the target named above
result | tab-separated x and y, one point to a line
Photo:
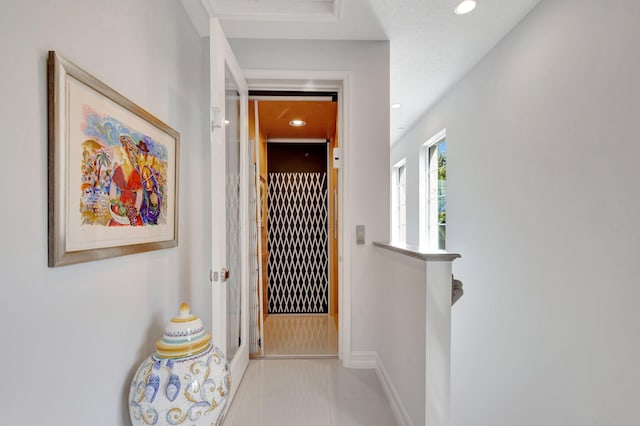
262	144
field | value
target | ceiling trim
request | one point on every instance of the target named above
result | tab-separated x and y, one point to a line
255	11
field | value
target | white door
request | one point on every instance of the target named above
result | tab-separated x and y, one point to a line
230	183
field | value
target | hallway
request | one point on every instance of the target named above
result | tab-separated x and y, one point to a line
309	392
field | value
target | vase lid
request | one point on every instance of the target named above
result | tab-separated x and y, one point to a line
184	336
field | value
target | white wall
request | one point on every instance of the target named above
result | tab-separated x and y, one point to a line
543	205
400	330
367	193
72	336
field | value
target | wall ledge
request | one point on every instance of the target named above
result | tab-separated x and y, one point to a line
417	253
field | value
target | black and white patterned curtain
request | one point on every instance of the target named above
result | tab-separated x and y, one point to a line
298	241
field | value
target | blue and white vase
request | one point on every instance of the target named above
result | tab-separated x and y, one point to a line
185	382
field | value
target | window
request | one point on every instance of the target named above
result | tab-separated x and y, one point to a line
399	202
433	192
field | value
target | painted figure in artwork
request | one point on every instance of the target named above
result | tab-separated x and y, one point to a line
144	158
125	192
151	198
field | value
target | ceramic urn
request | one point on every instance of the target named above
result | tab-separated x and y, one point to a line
185	382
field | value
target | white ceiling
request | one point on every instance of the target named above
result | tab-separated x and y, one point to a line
431	47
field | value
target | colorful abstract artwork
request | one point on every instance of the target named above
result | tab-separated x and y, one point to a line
124	174
112	169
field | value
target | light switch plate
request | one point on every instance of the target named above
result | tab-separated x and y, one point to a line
359	234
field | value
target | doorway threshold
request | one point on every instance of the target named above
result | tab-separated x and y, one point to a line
297	356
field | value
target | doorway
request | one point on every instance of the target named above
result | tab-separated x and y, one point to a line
297	253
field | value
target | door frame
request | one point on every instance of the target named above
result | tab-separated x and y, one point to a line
219	48
278	80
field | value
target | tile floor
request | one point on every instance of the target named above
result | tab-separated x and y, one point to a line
308	392
300	335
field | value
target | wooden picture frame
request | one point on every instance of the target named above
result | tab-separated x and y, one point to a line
112	171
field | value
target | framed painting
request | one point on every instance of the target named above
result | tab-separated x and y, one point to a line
112	169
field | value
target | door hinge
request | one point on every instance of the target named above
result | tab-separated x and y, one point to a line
221	275
216	118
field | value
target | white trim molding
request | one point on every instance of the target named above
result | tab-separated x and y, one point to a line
370	360
364	359
283	11
199	11
399	410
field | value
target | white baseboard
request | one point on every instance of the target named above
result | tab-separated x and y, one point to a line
398	408
364	359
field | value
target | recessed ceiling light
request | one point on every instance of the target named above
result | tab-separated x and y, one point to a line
465	7
226	121
297	123
395	106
